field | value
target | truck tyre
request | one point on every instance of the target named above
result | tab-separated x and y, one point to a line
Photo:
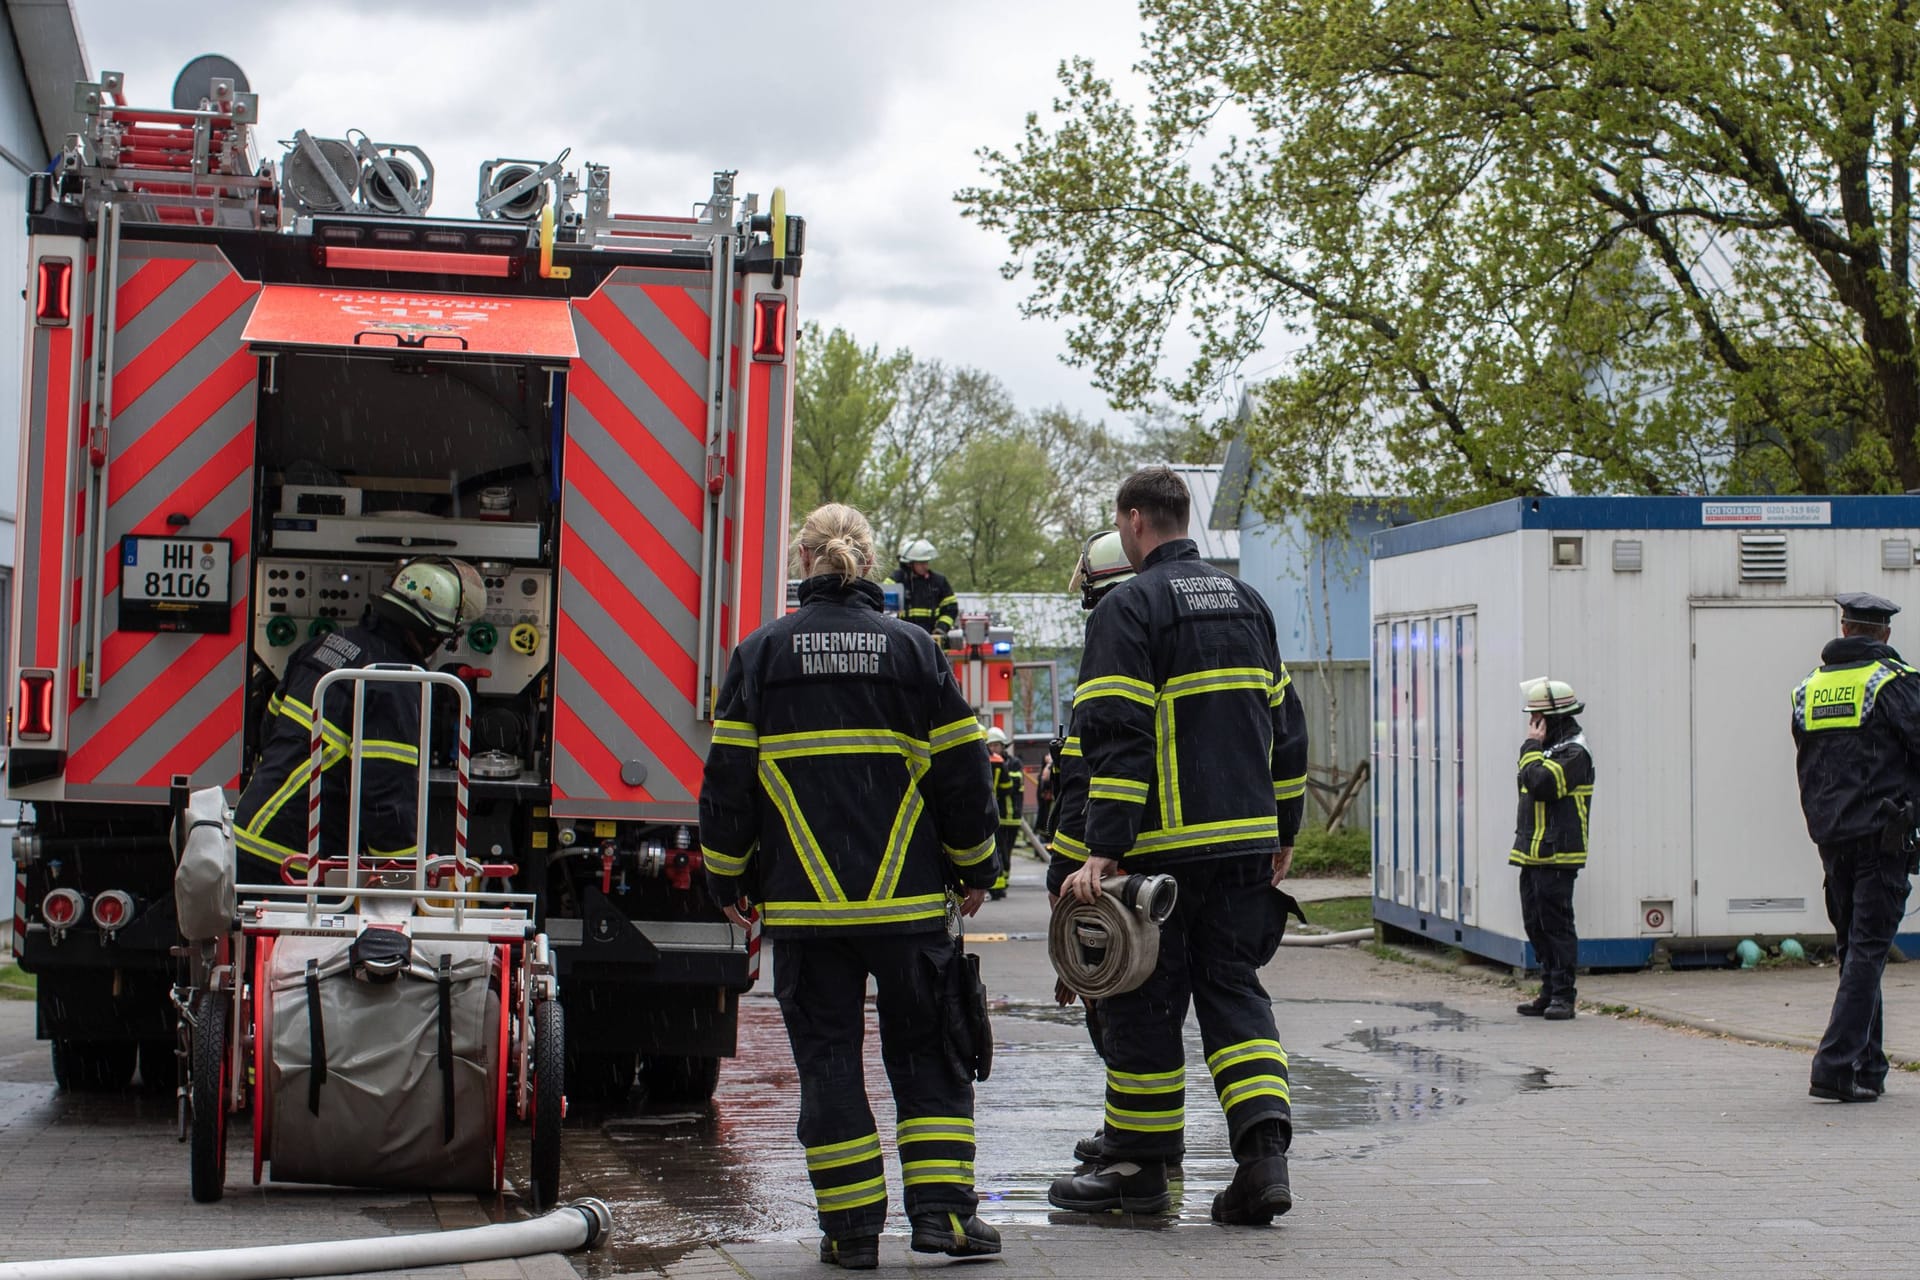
208	1071
549	1100
681	1078
600	1078
84	1066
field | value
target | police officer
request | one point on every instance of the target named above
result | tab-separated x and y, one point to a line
927	601
429	602
1195	752
847	789
1856	730
1550	838
1009	785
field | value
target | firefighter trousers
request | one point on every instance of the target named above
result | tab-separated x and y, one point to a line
1866	899
1003	842
1546	911
821	984
1225	925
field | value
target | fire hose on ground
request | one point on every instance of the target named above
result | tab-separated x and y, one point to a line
583	1224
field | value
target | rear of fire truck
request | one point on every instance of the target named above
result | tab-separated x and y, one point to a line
251	388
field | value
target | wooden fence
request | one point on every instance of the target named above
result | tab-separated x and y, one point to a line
1336	748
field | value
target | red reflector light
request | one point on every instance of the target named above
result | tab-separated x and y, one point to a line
112	909
36	706
53	298
61	908
770	328
420	261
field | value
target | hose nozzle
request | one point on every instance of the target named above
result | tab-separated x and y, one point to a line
1152	896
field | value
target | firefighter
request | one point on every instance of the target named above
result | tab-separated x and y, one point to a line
1856	730
429	602
846	792
1009	785
1194	747
1550	838
926	599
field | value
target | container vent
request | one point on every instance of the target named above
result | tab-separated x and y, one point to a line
1627	555
1763	557
1896	553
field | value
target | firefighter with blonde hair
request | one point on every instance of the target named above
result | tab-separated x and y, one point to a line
847	799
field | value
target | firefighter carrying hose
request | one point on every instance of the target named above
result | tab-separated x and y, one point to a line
927	599
431	600
1008	786
847	789
1195	753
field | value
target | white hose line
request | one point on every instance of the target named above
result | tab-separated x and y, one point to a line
581	1224
1310	940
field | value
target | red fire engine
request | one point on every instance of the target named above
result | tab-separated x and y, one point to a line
251	387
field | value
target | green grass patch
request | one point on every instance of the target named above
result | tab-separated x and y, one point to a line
1392	955
1336	915
15	983
1319	852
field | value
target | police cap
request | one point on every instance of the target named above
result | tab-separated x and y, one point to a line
1864	606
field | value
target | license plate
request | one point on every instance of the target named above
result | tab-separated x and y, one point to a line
177	571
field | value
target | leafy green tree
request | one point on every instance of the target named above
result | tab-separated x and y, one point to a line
1516	245
843	393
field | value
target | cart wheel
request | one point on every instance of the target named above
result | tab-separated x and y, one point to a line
207	1077
679	1078
549	1099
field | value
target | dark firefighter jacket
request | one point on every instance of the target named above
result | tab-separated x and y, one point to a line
1009	788
1856	730
1556	798
848	785
271	818
928	603
1193	738
1069	814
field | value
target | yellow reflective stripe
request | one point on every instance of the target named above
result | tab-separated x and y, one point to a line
1254	1087
1167	755
1167	838
1146	1082
407	753
261	847
735	733
957	734
970	857
935	1129
1123	789
406	852
1147	1121
1233	1055
1529	757
296	782
834	1155
905	822
914	1173
783	746
1289	788
1280	683
812	858
1219	680
1067	847
1071	748
853	1195
724	864
929	906
1559	774
1114	687
1539	828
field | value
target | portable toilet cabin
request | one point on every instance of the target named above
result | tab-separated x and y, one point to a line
1684	625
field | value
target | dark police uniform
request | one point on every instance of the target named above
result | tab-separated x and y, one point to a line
1556	779
270	820
1192	746
928	603
1856	732
846	790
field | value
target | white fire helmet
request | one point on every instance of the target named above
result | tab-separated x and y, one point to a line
996	737
1546	697
444	594
918	551
1102	566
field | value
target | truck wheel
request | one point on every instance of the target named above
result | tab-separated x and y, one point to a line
81	1066
159	1069
599	1078
680	1078
207	1076
549	1100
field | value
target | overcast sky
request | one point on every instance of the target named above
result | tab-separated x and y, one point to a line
867	111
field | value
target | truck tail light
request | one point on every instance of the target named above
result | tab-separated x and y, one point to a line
36	706
63	908
112	909
770	327
53	296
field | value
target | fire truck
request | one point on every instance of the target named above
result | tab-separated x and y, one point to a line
253	385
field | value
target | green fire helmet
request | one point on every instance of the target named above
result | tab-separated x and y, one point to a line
446	595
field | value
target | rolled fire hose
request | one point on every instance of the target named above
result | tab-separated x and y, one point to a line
583	1224
1110	945
1326	939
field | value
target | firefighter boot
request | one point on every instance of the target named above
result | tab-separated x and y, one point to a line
1089	1151
858	1253
1259	1192
1118	1186
1558	1011
953	1235
1536	1006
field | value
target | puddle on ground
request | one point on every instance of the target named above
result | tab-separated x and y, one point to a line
677	1179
